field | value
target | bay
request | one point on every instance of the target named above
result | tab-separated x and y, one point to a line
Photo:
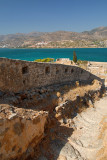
89	54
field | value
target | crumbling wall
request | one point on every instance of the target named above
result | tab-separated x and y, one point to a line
99	69
17	75
20	131
65	61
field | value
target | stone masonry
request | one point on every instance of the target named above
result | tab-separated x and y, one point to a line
17	75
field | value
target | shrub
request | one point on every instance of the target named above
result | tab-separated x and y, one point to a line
82	62
45	60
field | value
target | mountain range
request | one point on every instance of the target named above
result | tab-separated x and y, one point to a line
59	39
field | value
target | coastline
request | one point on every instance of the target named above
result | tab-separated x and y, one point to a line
57	48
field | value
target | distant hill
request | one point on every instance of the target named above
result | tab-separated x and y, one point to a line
20	35
100	32
96	38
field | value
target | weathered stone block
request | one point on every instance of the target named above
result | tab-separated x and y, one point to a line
19	135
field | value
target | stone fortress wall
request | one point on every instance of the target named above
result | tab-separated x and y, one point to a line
99	69
17	75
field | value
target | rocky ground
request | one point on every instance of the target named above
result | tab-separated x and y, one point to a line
84	137
76	125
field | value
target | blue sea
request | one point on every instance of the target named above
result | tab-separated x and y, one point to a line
89	54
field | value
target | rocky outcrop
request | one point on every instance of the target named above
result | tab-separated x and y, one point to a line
20	131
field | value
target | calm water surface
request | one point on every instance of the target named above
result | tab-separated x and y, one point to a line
89	54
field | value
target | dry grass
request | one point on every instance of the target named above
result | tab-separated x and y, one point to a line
80	90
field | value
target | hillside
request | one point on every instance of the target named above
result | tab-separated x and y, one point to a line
60	39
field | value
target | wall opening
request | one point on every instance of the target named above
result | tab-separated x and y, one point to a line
57	70
24	82
72	70
66	70
47	70
81	71
24	70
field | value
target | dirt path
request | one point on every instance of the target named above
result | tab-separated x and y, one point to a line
85	138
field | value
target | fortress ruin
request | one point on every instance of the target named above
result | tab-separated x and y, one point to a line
39	108
17	75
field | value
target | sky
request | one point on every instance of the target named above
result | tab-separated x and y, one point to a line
24	16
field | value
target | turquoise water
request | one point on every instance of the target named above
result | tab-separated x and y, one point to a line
90	54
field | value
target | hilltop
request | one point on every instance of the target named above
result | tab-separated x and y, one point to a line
59	39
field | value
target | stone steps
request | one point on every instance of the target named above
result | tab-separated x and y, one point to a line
80	122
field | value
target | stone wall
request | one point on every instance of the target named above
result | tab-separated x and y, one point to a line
65	61
99	69
17	75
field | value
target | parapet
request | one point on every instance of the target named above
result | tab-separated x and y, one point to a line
18	75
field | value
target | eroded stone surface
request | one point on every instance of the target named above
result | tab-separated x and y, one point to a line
20	131
24	128
81	137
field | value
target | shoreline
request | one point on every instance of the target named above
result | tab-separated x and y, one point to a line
61	48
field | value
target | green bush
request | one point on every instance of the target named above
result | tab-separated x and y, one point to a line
82	62
79	62
45	60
